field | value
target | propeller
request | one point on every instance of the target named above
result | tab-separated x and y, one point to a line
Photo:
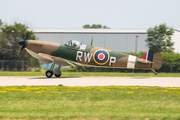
22	45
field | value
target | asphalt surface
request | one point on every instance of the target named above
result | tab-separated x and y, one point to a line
92	81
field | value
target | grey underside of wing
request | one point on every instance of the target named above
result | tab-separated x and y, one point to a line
45	58
56	60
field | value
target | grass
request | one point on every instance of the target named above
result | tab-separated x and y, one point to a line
108	102
92	74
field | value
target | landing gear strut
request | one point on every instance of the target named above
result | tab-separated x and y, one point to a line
154	71
57	72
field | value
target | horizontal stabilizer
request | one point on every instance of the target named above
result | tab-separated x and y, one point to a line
144	61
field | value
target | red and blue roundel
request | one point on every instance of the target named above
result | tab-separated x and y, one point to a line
101	57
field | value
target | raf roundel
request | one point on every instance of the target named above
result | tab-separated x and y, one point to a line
101	57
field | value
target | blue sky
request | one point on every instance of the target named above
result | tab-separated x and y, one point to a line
76	13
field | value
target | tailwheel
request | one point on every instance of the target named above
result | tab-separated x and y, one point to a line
154	71
49	73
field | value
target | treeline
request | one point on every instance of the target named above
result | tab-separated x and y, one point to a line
10	35
171	63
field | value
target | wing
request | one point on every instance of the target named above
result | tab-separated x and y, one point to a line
56	60
45	58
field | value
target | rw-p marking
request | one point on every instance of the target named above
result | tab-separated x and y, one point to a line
100	57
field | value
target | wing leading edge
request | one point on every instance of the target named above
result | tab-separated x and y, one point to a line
45	58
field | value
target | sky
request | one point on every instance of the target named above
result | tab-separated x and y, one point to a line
119	14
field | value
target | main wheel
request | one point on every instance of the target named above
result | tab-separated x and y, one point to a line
49	73
57	75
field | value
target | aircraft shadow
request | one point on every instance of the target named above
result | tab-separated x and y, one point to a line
52	77
139	77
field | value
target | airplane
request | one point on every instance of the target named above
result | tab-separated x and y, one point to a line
76	53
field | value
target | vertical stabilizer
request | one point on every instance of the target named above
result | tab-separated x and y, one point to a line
157	58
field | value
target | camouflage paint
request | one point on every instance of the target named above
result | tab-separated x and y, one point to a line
88	56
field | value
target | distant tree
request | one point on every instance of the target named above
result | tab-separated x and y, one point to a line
87	26
1	23
160	36
105	27
95	26
9	38
13	34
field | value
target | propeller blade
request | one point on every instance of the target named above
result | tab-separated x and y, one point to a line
20	49
22	43
25	36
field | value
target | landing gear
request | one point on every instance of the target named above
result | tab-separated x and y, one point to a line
49	73
154	71
57	72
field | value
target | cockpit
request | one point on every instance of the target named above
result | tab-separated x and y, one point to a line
73	43
76	44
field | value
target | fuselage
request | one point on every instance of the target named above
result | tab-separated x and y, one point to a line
87	55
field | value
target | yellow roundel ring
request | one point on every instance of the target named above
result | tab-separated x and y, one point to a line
101	56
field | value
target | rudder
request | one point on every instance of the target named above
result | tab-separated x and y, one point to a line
157	58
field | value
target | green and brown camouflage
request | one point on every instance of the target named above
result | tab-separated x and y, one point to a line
88	55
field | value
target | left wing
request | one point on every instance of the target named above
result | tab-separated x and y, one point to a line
45	58
56	60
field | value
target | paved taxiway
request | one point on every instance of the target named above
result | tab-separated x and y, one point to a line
92	81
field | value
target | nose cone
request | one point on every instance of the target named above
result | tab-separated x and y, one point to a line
22	43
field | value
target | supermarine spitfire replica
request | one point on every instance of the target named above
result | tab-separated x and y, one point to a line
75	53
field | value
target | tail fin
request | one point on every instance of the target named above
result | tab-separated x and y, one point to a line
148	56
157	58
153	57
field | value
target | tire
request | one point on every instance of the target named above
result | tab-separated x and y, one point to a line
57	75
49	73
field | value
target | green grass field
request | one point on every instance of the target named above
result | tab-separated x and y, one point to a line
92	74
110	102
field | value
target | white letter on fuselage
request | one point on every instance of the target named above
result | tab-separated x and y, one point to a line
87	57
112	60
79	55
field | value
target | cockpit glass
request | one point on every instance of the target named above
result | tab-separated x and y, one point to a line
73	43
